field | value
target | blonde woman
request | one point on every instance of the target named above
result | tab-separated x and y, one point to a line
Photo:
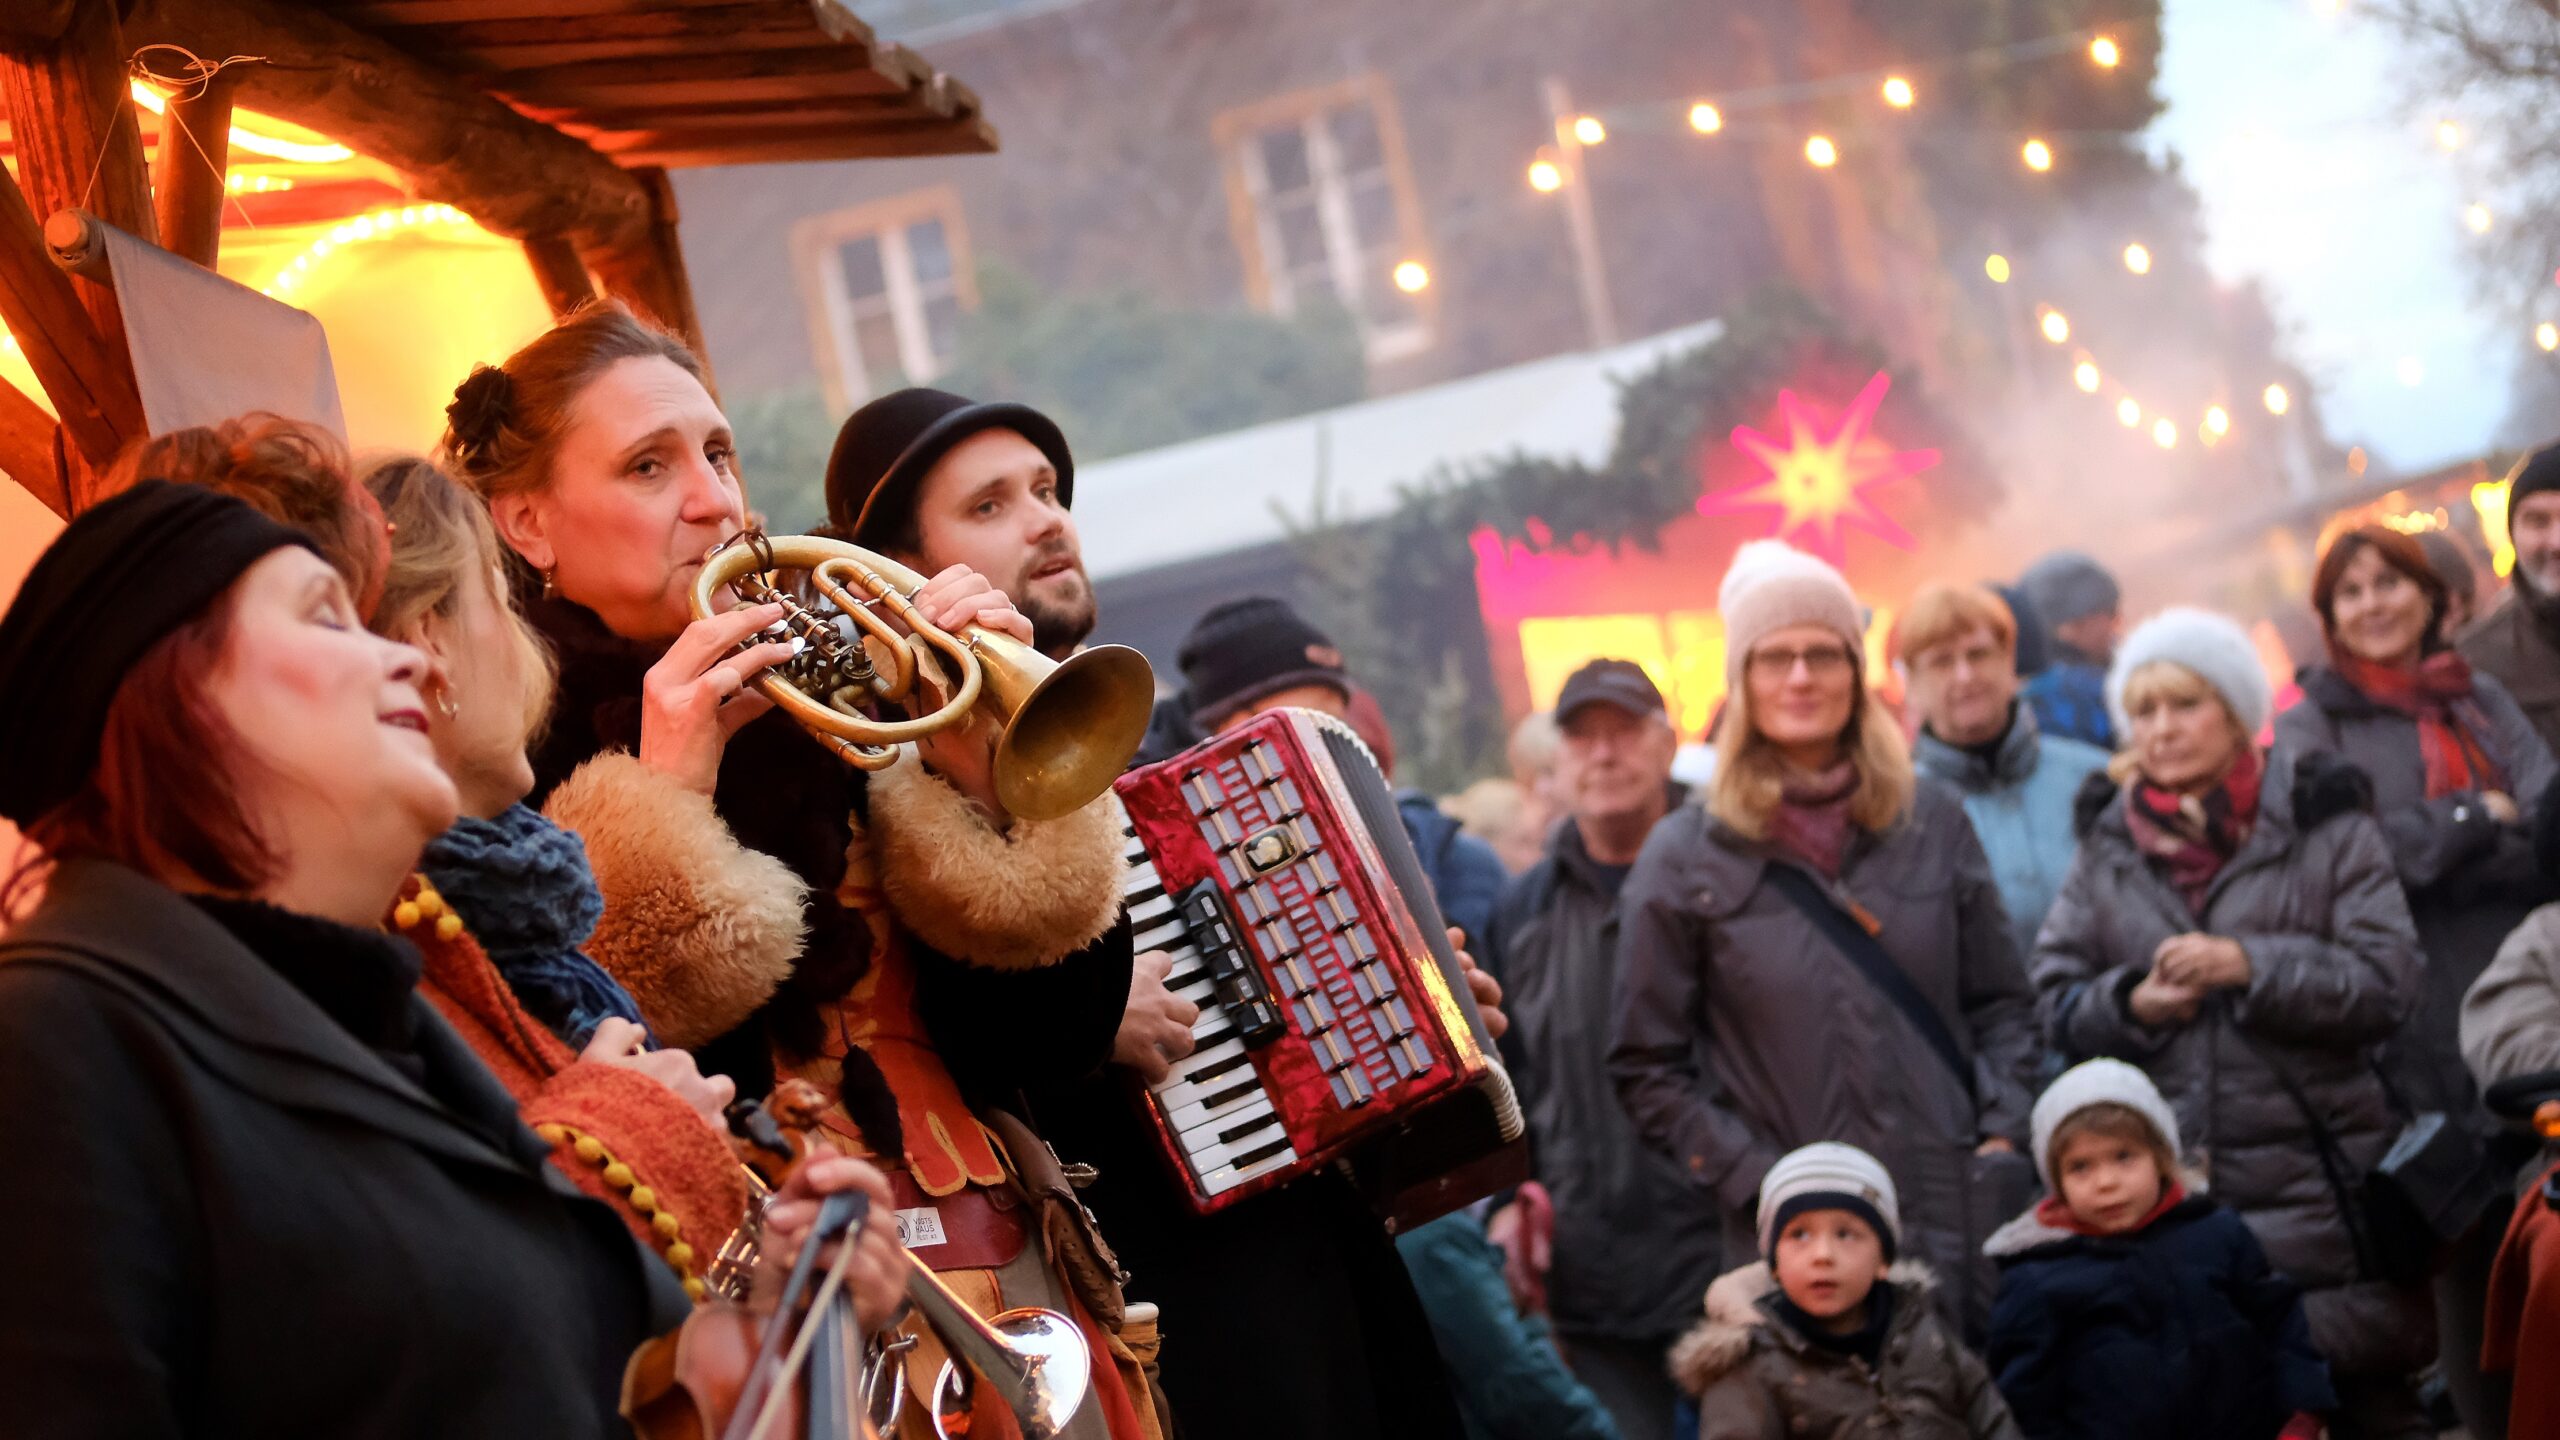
2233	926
1818	952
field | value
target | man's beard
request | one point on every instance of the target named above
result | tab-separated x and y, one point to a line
1058	624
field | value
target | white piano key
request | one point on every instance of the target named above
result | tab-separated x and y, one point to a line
1202	992
1222	1181
1168	935
1199	1074
1243	1099
1208	1152
1147	913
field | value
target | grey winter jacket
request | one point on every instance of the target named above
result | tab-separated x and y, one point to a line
1743	1033
1635	1243
2335	970
1757	1379
2019	800
2469	879
2511	1018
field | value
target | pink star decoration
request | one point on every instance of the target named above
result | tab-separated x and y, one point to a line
1816	482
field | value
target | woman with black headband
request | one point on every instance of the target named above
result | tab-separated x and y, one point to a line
257	1185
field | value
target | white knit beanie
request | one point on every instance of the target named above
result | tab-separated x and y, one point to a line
2214	647
1828	1175
1773	585
2098	1082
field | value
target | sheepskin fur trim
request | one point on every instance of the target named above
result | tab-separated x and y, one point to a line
1002	900
699	928
1713	1348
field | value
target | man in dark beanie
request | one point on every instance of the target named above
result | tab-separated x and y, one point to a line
2082	610
1294	1314
2519	641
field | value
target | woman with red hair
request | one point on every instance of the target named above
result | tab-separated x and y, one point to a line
241	1138
2457	769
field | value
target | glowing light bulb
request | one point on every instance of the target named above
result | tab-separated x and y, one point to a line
2038	155
1545	177
2055	327
2217	422
1821	153
2278	399
1589	130
1898	93
2478	218
2137	258
1706	119
2164	433
2128	413
2547	335
2085	375
1413	277
2448	135
1997	267
2104	53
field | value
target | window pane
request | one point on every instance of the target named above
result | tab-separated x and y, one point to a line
862	273
1355	139
942	327
929	251
1284	159
1384	306
1301	234
877	337
1373	214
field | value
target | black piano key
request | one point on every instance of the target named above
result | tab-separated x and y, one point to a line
1260	1153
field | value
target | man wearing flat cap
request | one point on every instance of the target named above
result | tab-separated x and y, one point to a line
1635	1244
1288	1314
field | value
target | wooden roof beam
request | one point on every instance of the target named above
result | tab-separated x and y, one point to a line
456	145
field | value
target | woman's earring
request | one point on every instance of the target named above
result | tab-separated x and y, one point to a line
551	583
441	697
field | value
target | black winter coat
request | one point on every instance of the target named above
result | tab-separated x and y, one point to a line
785	795
2178	1329
229	1217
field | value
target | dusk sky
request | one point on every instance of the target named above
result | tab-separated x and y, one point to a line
2321	175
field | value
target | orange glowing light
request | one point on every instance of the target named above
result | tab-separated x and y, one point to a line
1817	481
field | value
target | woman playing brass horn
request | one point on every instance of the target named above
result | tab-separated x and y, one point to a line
610	472
260	1185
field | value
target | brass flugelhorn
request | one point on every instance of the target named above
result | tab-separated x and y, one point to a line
1069	727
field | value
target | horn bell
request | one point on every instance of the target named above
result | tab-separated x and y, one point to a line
1070	727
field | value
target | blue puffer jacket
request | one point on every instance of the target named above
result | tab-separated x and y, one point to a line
1466	876
2178	1329
2070	698
2019	800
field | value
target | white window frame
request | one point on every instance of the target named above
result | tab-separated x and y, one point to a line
1257	216
835	339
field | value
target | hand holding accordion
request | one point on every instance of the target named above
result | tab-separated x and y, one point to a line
1337	1022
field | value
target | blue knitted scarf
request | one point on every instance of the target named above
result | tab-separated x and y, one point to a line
522	884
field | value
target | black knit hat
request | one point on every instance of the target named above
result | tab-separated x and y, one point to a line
1244	650
887	447
121	576
2535	474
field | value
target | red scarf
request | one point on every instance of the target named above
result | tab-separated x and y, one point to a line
2191	837
2437	693
2053	1212
1812	822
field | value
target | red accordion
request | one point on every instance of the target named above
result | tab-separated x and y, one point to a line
1335	1023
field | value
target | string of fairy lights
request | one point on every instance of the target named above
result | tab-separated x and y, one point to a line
1898	91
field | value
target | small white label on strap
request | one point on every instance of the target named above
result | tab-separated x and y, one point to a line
920	1227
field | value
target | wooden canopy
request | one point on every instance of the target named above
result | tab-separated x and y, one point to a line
549	121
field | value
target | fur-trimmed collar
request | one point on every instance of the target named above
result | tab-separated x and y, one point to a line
1011	900
1712	1348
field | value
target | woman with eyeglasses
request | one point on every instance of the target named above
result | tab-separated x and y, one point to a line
1818	951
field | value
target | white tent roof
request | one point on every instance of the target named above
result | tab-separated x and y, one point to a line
1228	492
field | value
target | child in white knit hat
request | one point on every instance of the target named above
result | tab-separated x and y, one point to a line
2131	1305
1828	1335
